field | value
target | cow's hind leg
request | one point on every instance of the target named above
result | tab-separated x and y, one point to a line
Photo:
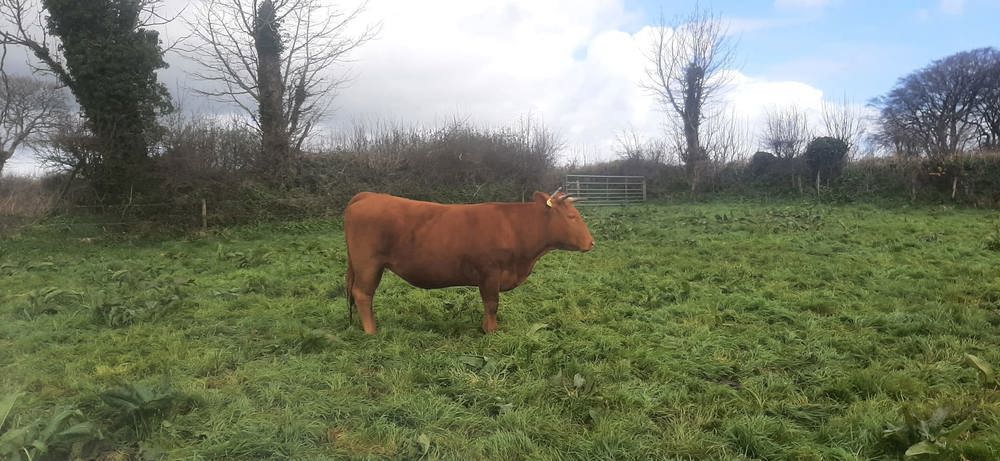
348	287
490	292
366	280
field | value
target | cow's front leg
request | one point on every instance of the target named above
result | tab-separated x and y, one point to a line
490	292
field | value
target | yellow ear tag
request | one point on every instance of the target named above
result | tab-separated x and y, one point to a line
548	202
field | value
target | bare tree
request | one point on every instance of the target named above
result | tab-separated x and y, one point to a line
686	73
728	139
29	110
935	108
786	132
987	113
275	60
632	147
845	121
892	132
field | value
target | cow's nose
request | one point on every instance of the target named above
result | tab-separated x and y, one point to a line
592	244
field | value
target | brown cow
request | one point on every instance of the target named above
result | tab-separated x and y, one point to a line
492	246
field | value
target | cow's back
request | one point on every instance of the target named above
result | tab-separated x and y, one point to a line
387	211
381	222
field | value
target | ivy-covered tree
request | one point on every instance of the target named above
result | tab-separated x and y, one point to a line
108	59
825	157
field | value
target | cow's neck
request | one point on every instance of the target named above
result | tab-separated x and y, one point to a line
533	225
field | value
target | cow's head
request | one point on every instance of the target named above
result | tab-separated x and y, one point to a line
566	226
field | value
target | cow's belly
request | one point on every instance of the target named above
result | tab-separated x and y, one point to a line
427	271
434	273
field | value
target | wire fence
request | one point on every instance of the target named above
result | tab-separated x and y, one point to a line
197	214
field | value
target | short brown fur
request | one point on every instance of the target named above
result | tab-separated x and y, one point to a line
493	246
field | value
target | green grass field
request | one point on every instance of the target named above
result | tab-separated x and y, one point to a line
698	331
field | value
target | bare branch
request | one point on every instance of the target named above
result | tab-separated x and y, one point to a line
315	40
31	110
786	132
845	121
22	25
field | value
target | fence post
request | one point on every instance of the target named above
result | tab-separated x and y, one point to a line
204	215
643	189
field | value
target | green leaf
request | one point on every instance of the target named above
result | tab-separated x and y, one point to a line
77	431
41	265
425	443
12	440
922	448
951	435
536	327
56	421
6	405
40	447
982	366
476	362
119	400
556	379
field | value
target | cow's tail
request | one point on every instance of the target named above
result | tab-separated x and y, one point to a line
349	286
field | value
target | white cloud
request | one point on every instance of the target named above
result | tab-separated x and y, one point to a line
952	7
568	63
752	98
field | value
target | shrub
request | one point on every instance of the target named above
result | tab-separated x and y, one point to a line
770	173
137	408
762	163
825	158
26	197
457	163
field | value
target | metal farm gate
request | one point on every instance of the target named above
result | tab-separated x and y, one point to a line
606	190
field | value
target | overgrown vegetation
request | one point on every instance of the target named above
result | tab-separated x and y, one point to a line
107	55
729	330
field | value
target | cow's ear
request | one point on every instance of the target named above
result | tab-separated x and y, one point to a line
541	197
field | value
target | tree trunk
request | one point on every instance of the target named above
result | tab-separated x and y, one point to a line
273	127
954	187
817	182
694	86
4	156
69	181
125	165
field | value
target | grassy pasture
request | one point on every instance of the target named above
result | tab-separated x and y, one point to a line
698	331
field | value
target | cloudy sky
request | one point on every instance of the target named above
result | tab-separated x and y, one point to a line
576	65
